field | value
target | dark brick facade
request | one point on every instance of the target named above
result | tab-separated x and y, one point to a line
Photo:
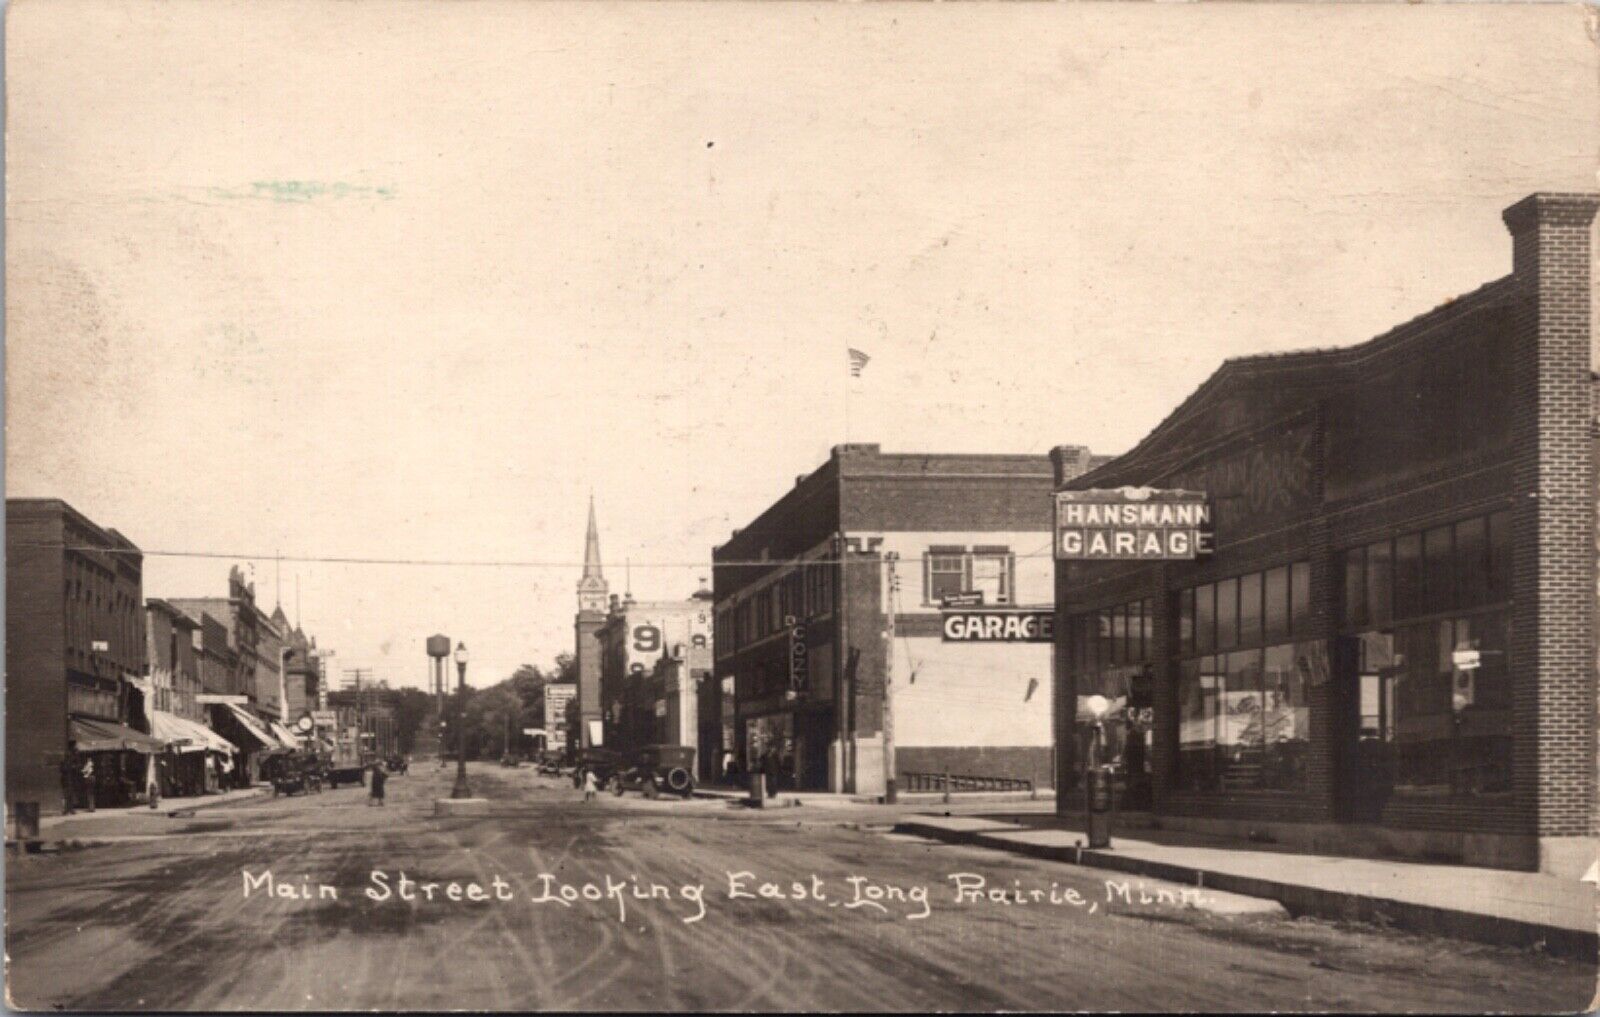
69	584
836	516
1483	405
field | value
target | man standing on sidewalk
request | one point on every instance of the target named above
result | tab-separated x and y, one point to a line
88	782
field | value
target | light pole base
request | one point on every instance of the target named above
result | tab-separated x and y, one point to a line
461	789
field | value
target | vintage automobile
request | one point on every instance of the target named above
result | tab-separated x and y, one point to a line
294	774
658	770
605	763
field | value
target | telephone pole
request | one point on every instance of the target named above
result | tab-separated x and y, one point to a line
890	791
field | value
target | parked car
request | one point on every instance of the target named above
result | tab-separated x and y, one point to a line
603	762
658	770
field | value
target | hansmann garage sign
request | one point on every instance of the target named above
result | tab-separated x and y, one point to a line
1133	523
992	626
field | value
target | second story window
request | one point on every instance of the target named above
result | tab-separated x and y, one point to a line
945	573
949	571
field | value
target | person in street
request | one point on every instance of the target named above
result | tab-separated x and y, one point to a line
590	785
378	779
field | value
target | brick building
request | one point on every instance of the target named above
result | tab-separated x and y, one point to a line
636	637
804	605
242	623
75	646
173	652
1392	646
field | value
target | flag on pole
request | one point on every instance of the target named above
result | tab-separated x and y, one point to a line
858	361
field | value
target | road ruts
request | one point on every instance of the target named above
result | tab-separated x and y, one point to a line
163	924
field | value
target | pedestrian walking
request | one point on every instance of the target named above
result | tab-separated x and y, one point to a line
589	786
727	766
378	778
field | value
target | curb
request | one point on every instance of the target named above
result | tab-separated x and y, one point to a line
257	792
1298	900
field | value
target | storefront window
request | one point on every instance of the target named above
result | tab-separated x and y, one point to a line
1277	603
1300	597
1380	584
1227	614
1185	621
1434	692
1197	724
1250	609
1287	711
1355	586
1244	716
1408	599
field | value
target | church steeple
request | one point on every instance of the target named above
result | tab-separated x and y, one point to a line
592	588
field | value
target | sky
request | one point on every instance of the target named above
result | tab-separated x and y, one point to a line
410	281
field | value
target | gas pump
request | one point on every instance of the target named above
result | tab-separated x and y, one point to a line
1099	797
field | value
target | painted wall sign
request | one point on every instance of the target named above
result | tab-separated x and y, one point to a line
999	626
799	664
1132	523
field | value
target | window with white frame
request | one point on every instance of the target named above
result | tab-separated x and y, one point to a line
944	573
992	570
948	571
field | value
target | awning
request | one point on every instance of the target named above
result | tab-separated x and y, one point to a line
284	735
252	727
187	735
107	736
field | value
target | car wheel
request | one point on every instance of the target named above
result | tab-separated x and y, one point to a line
616	786
651	791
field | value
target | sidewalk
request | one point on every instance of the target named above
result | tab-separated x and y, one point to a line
1485	905
53	827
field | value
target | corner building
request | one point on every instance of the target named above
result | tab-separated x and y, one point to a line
1392	647
809	622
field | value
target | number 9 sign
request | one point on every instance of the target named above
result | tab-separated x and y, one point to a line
646	639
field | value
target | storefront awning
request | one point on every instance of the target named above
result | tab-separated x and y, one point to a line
187	735
90	735
252	727
284	735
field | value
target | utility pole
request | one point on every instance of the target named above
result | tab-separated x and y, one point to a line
890	792
361	711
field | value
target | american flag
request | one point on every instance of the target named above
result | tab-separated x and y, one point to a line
858	361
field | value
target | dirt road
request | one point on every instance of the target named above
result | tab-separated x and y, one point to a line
178	914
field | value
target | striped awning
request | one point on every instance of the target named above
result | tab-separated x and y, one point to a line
90	735
186	735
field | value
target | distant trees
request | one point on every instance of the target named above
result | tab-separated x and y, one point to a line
494	717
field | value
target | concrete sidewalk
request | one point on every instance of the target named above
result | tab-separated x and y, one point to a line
51	827
1485	905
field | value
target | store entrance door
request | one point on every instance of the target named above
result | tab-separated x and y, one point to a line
815	736
1368	677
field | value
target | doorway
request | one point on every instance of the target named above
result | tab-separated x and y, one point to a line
1370	671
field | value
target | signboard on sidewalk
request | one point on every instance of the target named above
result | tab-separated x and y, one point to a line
999	626
1132	523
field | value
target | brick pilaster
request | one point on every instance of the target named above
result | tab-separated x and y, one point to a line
1553	525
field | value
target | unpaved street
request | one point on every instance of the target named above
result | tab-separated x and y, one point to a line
160	919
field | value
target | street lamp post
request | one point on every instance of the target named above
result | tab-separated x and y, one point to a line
461	790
